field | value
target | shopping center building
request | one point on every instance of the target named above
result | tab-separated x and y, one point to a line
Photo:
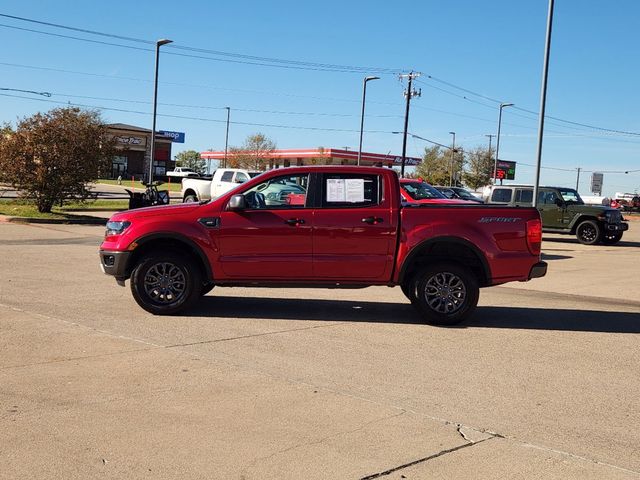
319	156
134	150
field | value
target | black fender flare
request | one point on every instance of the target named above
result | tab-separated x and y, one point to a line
195	248
420	247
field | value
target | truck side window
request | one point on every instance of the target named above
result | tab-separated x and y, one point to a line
350	190
501	195
241	177
547	198
226	177
287	191
524	196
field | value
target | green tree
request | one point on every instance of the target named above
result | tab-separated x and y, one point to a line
50	157
479	169
254	153
438	164
191	159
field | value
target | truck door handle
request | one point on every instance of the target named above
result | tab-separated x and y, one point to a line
294	222
372	220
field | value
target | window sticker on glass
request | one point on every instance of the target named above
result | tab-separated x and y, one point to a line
336	190
354	190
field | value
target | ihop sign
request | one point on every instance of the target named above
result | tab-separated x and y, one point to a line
175	137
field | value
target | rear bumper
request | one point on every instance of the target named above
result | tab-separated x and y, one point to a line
538	270
114	263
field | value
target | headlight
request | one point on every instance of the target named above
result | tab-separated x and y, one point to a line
116	228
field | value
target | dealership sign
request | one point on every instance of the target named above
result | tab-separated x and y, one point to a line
175	137
505	170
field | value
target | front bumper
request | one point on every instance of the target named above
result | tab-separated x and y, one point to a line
616	227
114	263
538	270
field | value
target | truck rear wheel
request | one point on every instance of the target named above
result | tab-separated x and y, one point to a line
588	232
409	289
190	198
165	283
446	293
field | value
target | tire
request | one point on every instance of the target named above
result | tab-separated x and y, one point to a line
588	232
446	293
206	288
190	199
409	289
611	238
166	283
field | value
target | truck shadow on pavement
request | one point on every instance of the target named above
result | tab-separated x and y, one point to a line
404	313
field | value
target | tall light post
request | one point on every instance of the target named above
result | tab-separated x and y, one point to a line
159	43
364	96
226	139
543	101
453	153
495	164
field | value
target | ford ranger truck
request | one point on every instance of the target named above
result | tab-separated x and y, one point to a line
333	227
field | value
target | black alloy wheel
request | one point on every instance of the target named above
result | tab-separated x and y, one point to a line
446	293
165	283
611	238
588	232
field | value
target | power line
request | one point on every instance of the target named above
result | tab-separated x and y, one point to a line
245	59
184	117
281	63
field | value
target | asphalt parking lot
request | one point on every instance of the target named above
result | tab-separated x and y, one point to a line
317	384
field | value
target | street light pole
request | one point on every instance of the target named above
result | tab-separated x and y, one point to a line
226	139
495	164
453	153
364	96
543	101
159	43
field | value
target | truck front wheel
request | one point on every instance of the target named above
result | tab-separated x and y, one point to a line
611	238
446	293
166	283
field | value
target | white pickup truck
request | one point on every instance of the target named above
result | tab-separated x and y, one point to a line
182	172
224	179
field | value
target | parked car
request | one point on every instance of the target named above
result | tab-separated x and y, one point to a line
459	193
563	211
182	172
347	228
419	191
223	180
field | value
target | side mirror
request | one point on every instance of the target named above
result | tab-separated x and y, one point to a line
559	203
237	202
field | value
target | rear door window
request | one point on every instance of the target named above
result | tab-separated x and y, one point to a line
501	195
350	190
524	196
227	177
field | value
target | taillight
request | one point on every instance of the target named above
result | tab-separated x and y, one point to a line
534	235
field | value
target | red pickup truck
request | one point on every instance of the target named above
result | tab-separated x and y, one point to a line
334	227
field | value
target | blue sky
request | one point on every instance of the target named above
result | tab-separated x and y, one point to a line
494	49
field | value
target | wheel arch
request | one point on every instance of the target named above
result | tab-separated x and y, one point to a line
581	218
190	191
175	243
452	249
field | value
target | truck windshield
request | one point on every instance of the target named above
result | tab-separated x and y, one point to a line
569	195
420	190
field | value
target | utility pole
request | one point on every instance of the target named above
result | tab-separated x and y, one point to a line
453	157
408	94
226	140
578	179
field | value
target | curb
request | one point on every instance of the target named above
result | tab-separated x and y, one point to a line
56	221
